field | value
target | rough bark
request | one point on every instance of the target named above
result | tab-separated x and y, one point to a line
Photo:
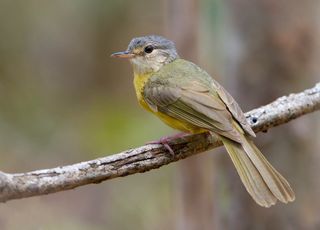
145	158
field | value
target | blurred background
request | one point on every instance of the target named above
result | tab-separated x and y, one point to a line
63	100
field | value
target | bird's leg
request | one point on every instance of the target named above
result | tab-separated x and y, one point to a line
165	141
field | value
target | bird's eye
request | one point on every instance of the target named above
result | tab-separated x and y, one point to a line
148	49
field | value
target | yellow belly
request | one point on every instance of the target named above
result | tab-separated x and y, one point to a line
139	82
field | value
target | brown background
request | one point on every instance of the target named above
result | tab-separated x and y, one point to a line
63	100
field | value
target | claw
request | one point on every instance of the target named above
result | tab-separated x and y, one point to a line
165	142
167	146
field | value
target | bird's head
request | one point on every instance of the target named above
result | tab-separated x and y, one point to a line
149	53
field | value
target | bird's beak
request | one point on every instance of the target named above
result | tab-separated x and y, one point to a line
123	54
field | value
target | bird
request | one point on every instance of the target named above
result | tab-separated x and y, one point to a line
188	99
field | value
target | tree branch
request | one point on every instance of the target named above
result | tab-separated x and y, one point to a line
145	158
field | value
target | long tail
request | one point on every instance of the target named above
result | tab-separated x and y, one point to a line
261	180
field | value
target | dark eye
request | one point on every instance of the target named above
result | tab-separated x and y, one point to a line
148	49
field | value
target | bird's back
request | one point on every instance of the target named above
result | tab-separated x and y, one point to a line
181	72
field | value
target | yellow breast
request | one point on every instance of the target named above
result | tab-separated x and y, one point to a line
139	82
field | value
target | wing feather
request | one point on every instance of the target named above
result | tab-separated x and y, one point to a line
234	108
190	94
192	107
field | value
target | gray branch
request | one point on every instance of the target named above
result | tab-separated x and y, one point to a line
145	158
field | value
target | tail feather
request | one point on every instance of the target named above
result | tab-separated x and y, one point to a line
282	189
261	180
249	175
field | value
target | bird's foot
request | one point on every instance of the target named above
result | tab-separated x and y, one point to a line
165	141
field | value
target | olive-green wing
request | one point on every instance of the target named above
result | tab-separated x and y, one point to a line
234	108
193	103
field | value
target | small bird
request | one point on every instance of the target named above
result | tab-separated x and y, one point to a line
187	98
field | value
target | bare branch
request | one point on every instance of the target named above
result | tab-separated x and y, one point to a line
145	158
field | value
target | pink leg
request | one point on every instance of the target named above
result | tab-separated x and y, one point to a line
165	141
